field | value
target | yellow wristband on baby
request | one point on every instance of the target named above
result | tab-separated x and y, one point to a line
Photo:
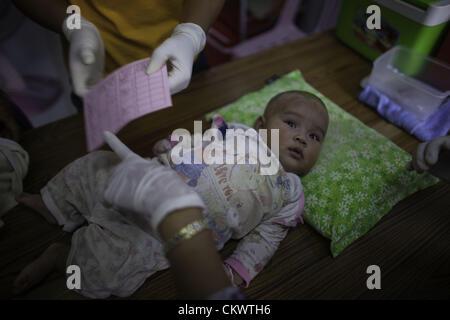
186	233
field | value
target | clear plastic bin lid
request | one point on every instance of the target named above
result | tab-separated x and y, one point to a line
423	4
417	83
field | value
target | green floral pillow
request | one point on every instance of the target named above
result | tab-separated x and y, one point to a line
359	176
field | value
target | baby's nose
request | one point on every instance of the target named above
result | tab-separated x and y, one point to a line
300	139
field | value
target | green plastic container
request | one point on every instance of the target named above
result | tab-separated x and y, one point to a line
415	24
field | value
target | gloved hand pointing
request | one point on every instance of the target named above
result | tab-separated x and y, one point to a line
180	49
146	187
86	56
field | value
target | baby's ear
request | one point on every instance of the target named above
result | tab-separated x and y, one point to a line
259	123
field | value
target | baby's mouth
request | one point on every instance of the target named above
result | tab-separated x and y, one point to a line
296	153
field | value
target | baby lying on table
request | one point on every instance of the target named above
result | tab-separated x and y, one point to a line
116	256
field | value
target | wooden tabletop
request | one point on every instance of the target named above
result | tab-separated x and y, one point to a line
410	244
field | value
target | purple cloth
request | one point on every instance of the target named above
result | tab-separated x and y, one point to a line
436	125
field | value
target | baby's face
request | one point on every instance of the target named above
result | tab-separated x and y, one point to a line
302	125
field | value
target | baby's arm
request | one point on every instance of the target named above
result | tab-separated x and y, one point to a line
255	250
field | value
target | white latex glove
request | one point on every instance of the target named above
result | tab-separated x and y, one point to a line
186	41
86	56
146	188
432	156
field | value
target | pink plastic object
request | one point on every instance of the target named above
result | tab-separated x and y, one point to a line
283	32
32	95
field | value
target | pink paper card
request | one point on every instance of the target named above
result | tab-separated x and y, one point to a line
124	95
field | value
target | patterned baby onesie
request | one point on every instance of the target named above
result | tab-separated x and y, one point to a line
244	204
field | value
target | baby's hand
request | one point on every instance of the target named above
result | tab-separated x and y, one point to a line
162	146
432	156
238	281
235	278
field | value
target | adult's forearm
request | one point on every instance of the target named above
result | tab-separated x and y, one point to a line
201	12
195	263
48	13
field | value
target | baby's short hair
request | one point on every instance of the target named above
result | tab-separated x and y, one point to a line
289	95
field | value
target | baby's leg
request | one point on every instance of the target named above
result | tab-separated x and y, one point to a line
34	202
53	259
72	194
115	258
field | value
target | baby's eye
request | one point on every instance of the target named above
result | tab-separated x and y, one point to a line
314	137
290	123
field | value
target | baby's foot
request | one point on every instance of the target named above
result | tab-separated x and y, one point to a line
36	271
34	201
